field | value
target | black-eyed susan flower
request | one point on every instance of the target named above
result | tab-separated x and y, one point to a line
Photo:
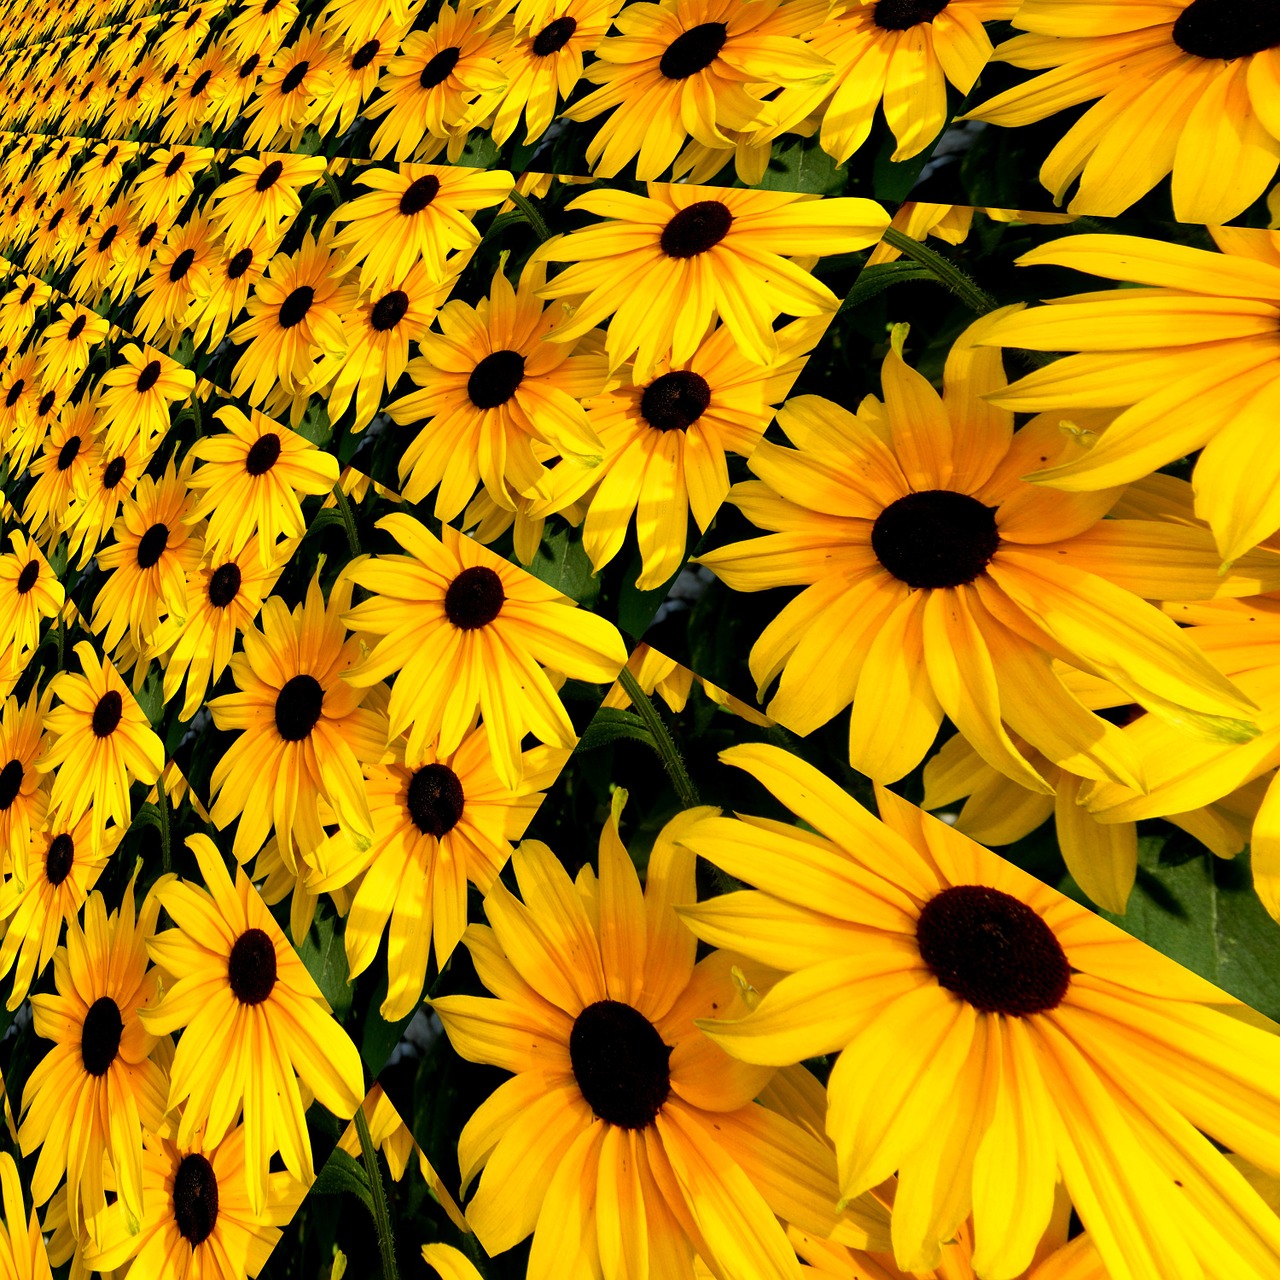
440	822
253	1022
465	630
179	283
265	193
22	1252
251	477
693	68
492	387
1187	87
290	91
665	265
134	397
22	741
236	269
937	581
193	98
260	25
111	479
229	93
89	1098
162	188
1191	359
101	253
18	307
101	742
199	1218
597	992
993	1039
29	593
295	321
355	74
101	169
66	344
303	732
415	212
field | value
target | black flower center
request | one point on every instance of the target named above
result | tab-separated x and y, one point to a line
675	401
696	229
27	578
296	306
177	161
554	36
106	715
294	77
85	214
57	218
113	472
149	376
474	598
109	158
419	193
1122	715
191	20
100	1035
151	545
993	951
1227	28
67	454
27	294
45	403
201	82
620	1063
132	91
181	265
148	234
224	584
58	859
435	799
439	68
495	379
298	707
14	392
693	50
898	15
269	176
937	538
77	328
10	783
263	454
195	1198
389	310
239	264
365	54
251	967
249	66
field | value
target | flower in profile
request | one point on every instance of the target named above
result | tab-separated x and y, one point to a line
253	1024
250	480
134	398
22	741
1208	72
693	69
303	732
200	1219
22	1253
613	1086
936	581
264	194
89	1098
493	388
984	1024
665	265
29	593
463	630
1190	358
440	822
101	742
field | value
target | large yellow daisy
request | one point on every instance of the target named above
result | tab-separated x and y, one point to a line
29	593
22	740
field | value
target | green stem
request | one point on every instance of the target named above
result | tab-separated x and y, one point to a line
532	216
162	803
944	270
477	1255
663	742
348	518
381	1219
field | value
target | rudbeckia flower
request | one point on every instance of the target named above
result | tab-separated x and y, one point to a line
162	188
626	1143
993	1039
265	193
179	284
90	1096
1188	87
193	99
250	480
236	269
666	264
466	630
303	733
253	1025
67	343
29	593
492	388
133	397
693	68
101	742
61	474
1191	358
22	741
938	582
111	480
440	822
200	1219
290	91
260	25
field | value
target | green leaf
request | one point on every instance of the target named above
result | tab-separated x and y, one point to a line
561	562
342	1175
380	1036
609	724
325	956
876	279
635	607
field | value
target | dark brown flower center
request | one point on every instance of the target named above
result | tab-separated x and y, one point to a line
151	546
14	392
149	376
109	158
68	453
201	82
181	265
45	403
898	15
937	538
439	68
239	264
419	193
249	66
263	454
389	310
58	859
296	306
620	1063
27	578
295	76
113	472
474	598
269	176
175	162
495	379
993	951
100	1035
554	36
107	714
132	91
224	584
693	50
365	54
195	1198
10	784
57	218
696	229
76	328
1227	29
435	799
27	294
148	234
251	967
675	401
298	707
